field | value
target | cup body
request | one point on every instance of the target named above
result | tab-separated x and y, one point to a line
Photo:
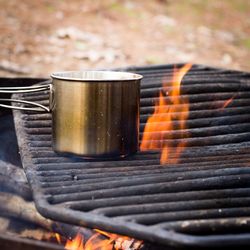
95	113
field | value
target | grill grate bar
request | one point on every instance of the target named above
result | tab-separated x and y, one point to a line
200	141
70	179
135	179
162	197
210	153
219	182
196	132
208	157
187	163
206	106
182	167
198	98
195	119
206	225
180	216
208	88
173	206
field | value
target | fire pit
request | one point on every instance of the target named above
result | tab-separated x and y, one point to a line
197	197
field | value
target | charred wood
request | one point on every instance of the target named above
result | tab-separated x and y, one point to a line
23	229
13	180
7	242
12	186
15	207
13	171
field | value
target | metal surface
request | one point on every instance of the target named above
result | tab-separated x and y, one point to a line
96	113
203	200
20	89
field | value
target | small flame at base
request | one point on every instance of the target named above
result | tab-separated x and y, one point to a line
170	113
58	238
75	244
100	241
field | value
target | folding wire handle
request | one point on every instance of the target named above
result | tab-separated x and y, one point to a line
37	88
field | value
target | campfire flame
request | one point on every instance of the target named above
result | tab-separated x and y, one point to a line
100	241
75	244
170	107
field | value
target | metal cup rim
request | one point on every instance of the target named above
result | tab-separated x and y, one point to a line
96	76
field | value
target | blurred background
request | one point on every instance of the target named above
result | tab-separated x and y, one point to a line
42	36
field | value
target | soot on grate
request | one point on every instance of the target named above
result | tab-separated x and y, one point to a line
198	201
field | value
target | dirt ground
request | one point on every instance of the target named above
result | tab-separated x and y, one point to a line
43	36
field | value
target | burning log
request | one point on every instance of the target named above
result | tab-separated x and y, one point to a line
15	207
12	227
13	179
9	242
13	171
10	185
19	228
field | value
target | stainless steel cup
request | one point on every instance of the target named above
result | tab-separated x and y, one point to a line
95	113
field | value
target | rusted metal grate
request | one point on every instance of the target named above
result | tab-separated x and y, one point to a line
203	200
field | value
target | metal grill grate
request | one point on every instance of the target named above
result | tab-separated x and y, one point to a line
203	200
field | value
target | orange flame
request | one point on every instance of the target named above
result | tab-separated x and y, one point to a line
227	102
75	244
169	109
100	241
58	238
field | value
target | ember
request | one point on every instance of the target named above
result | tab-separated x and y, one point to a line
227	102
161	122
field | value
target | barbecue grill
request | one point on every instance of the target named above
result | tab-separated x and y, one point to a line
203	200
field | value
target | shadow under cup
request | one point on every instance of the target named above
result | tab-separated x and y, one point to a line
95	114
